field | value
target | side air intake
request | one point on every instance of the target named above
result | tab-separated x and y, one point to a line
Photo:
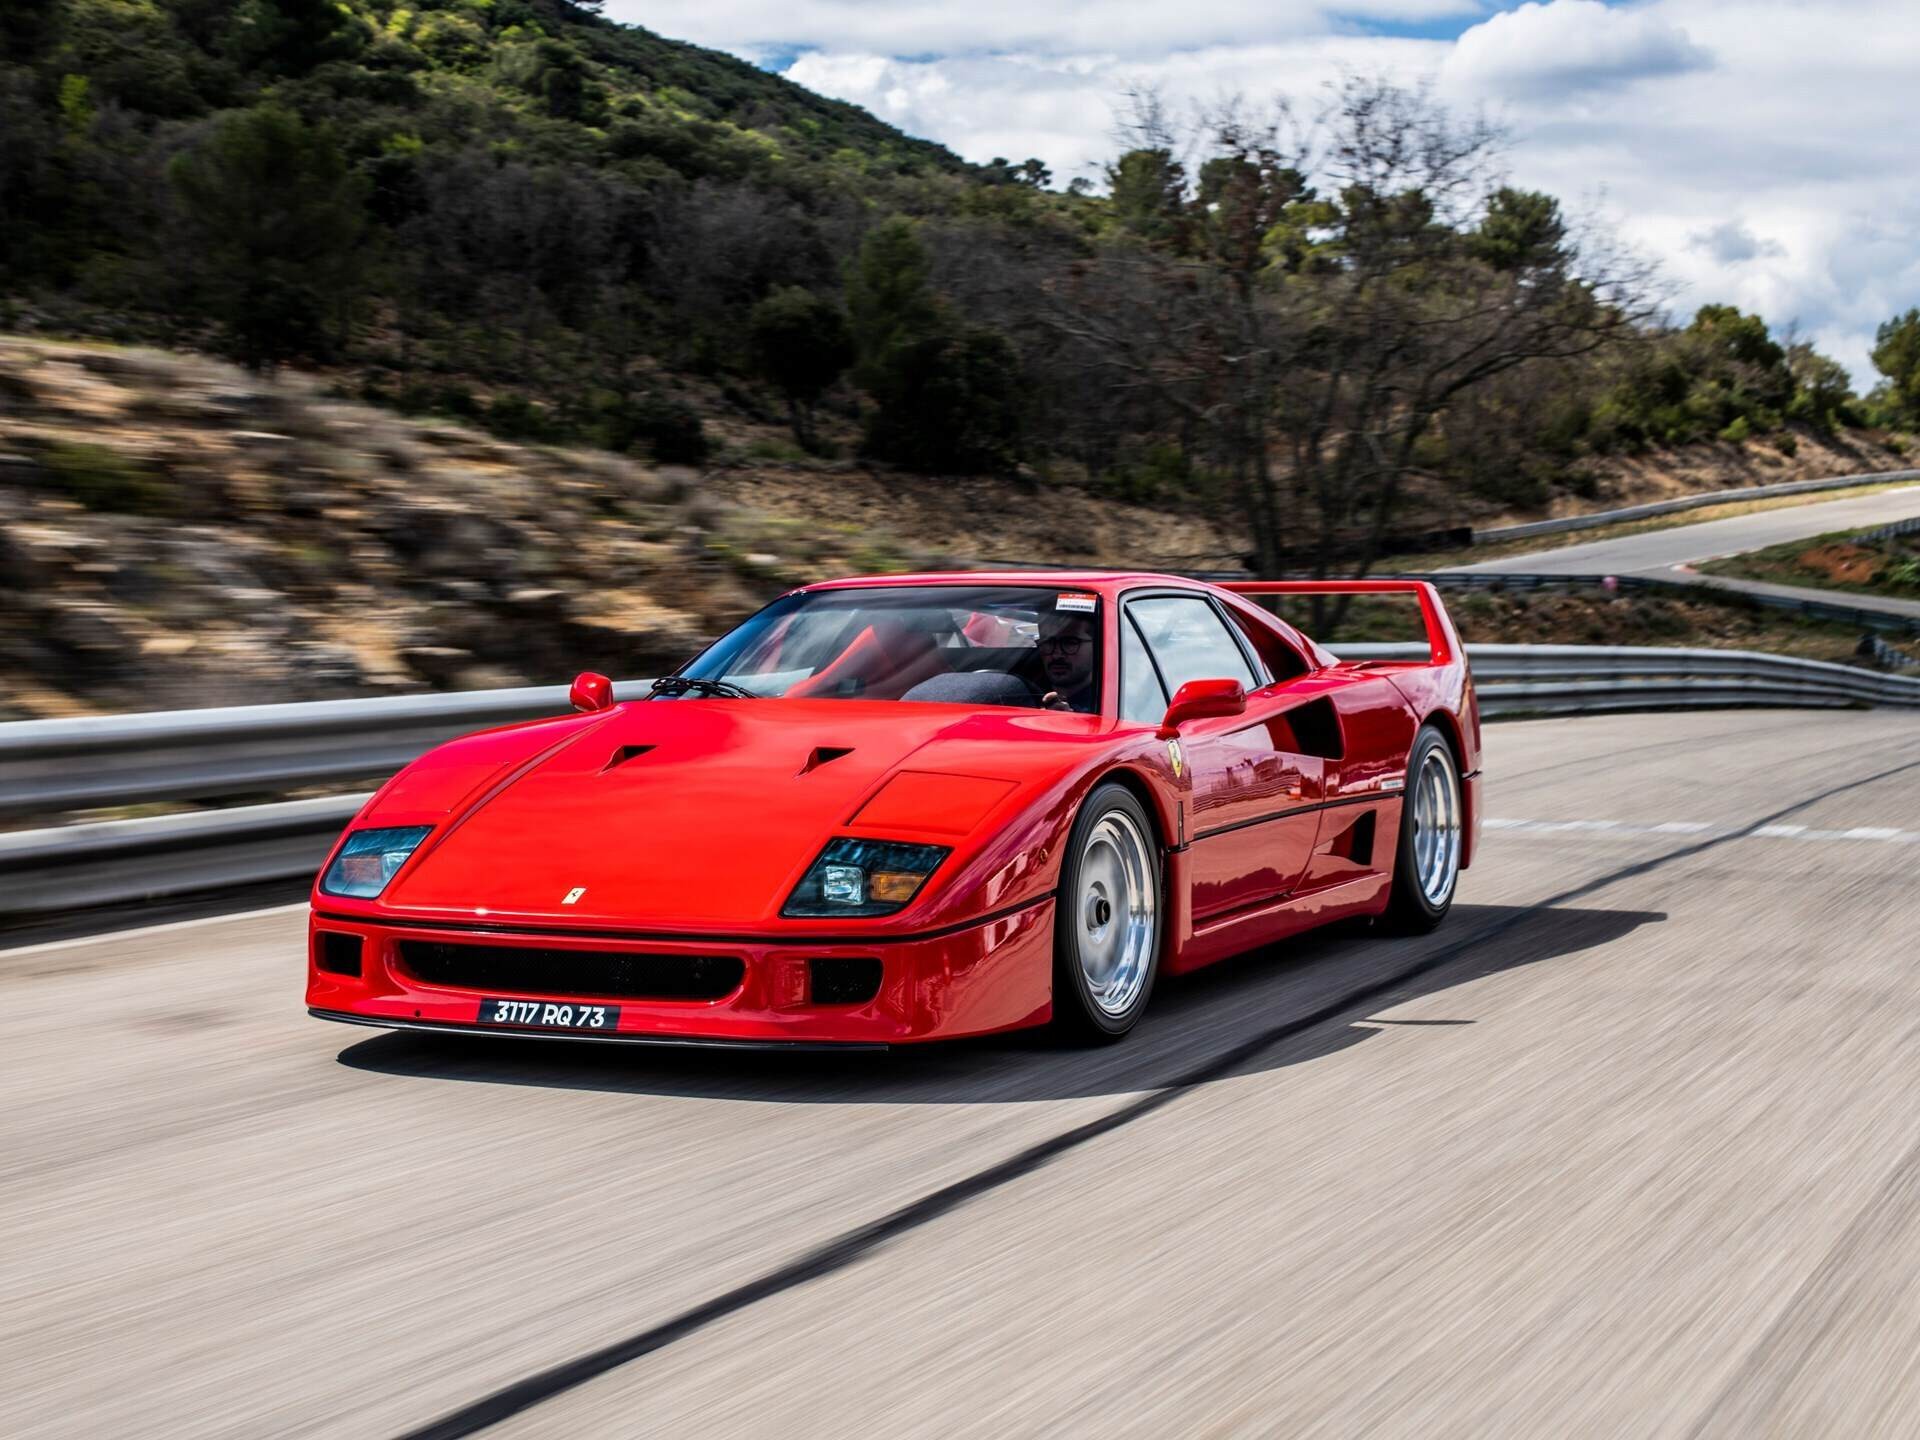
622	755
843	982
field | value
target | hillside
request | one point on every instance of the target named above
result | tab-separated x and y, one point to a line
518	209
176	532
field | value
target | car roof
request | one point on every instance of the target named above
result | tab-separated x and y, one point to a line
1106	582
1043	579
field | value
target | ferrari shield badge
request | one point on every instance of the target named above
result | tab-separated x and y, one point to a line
572	896
1175	758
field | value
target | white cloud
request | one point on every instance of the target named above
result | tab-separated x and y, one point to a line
1137	28
1760	149
1569	45
1065	109
1731	242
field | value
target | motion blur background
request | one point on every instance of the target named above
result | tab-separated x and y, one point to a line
417	353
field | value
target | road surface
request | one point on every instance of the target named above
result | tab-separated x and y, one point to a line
1659	552
1628	1148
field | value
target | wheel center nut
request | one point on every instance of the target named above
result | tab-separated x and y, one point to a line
1102	912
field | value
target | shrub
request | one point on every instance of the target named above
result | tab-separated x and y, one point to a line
515	417
1738	432
951	404
669	430
104	479
802	344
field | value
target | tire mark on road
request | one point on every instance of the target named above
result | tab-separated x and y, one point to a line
854	1245
1859	1272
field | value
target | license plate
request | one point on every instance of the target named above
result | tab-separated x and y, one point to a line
550	1015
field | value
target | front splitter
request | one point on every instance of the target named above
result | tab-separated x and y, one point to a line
678	1042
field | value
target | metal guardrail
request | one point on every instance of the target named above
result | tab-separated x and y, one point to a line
53	767
1578	679
1687	502
1890	532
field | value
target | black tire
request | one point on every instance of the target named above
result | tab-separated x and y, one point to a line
1416	905
1096	867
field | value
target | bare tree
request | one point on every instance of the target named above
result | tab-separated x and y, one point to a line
1322	294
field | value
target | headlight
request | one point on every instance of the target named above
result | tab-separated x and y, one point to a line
369	859
862	877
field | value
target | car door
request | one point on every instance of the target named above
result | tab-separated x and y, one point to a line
1251	817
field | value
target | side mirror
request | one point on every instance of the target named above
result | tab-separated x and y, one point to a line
591	692
1203	700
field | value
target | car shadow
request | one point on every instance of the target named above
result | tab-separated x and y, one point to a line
1194	1020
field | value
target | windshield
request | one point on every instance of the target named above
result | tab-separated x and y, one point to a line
959	644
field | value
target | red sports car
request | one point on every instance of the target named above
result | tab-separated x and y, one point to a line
910	808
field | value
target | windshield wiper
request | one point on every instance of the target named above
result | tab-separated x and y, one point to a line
690	685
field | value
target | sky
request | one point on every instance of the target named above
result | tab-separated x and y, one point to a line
1759	150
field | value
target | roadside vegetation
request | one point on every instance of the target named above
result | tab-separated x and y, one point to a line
1859	562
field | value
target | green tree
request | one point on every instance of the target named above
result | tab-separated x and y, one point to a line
1823	391
276	216
292	37
951	404
25	26
1522	230
76	104
800	343
1896	355
557	76
1743	338
1148	193
890	302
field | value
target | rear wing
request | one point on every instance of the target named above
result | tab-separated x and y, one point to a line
1443	641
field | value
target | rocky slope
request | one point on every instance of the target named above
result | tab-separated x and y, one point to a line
177	532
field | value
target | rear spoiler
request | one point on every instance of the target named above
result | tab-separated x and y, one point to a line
1443	641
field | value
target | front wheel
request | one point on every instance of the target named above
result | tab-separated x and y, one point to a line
1426	866
1107	925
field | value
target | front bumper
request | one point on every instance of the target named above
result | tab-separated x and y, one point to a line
996	975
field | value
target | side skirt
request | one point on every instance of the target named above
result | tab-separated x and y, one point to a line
1249	930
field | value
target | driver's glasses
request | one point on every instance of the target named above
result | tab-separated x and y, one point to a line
1062	644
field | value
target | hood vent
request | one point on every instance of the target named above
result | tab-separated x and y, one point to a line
824	755
623	754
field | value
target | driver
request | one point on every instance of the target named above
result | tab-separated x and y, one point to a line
1066	657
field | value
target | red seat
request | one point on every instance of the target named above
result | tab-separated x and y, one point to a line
885	660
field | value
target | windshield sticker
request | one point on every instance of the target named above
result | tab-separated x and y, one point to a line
1076	602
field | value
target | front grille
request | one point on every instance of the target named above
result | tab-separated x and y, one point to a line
551	970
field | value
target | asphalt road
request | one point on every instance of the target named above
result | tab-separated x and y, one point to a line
1658	552
1628	1148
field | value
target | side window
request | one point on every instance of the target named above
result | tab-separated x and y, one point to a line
1190	641
1141	697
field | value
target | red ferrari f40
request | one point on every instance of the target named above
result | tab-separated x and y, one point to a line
911	808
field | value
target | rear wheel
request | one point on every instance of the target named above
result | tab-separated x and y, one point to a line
1426	867
1106	945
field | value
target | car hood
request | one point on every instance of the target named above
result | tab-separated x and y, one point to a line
703	814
